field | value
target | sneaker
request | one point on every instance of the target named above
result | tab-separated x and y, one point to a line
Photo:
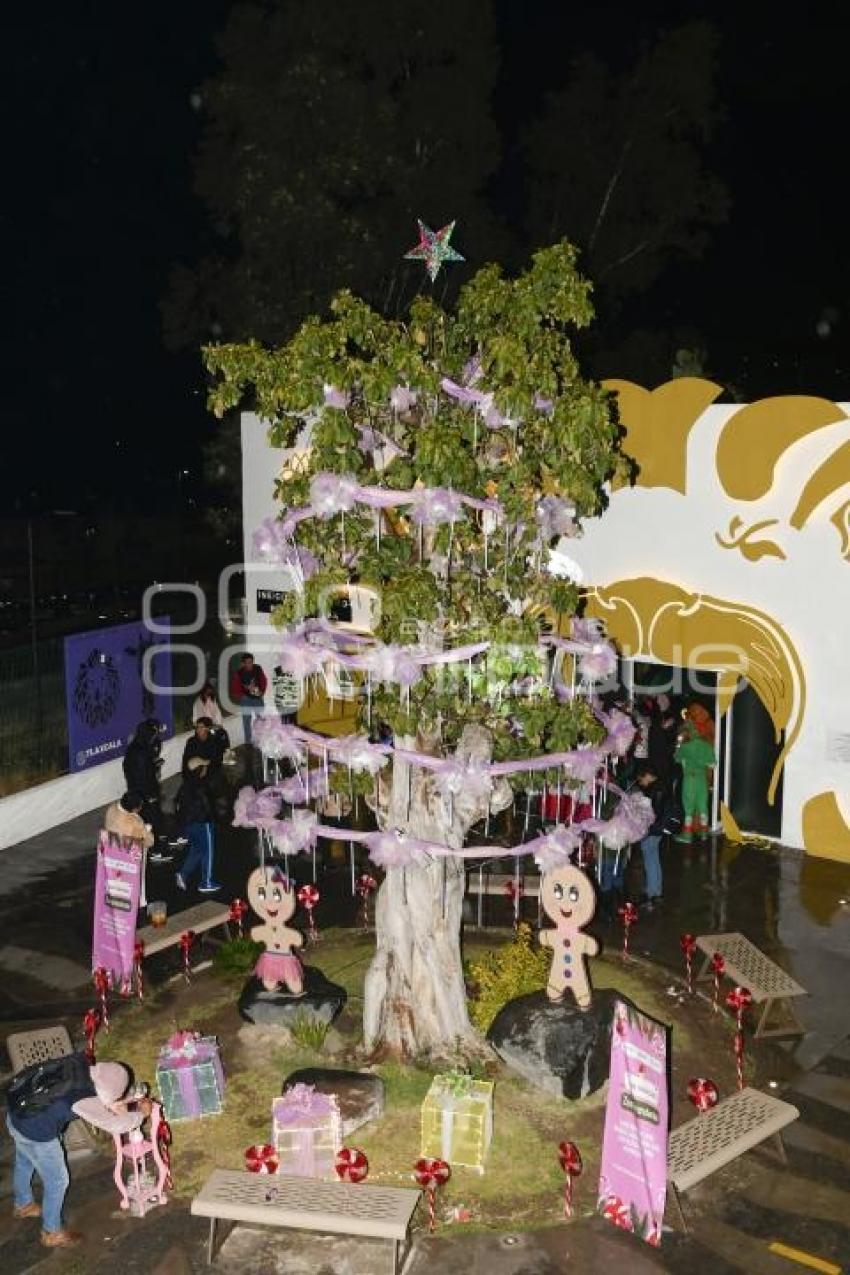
209	887
27	1210
179	881
159	856
60	1239
176	842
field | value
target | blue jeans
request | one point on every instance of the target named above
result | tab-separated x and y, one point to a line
199	856
612	868
249	707
652	865
47	1159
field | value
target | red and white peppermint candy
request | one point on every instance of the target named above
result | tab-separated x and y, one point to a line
261	1158
351	1165
618	1212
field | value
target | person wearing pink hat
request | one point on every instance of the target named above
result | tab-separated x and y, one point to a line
42	1100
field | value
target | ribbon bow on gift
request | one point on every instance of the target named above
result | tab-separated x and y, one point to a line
457	1082
183	1044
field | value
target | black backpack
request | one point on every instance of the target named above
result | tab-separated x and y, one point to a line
36	1087
672	816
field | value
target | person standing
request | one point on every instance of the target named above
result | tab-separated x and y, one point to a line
696	757
649	784
124	819
142	764
42	1101
194	809
206	705
248	685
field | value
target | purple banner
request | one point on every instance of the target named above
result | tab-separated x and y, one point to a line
116	904
105	692
633	1172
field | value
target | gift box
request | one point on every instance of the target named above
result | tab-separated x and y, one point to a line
457	1120
306	1132
189	1076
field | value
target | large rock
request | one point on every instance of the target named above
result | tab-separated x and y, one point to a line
553	1044
320	1001
360	1094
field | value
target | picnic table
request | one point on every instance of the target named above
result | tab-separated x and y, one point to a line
201	918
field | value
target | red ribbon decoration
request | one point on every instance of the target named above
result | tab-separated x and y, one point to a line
163	1142
739	999
718	965
91	1023
262	1159
238	908
186	941
365	885
688	945
101	986
308	897
138	957
429	1174
351	1165
569	1158
629	913
703	1094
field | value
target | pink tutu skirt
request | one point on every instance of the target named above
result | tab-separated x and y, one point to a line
279	967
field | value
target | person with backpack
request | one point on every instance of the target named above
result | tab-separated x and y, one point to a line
41	1102
195	812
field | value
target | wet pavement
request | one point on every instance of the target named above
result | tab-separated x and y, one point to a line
792	907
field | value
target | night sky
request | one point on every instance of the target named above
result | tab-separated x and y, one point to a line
98	206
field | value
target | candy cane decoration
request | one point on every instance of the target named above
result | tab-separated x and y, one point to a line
186	941
138	957
101	986
429	1174
308	897
629	913
91	1023
515	890
718	965
366	884
702	1093
238	908
262	1158
163	1142
351	1165
739	999
688	945
569	1158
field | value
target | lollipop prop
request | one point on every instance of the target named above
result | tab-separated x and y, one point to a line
702	1093
138	957
688	945
186	941
308	897
569	1158
238	908
430	1174
366	886
101	986
718	966
738	1000
629	913
351	1165
91	1023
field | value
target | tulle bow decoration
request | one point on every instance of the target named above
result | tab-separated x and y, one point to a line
333	494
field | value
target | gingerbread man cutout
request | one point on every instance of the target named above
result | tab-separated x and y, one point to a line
272	897
569	899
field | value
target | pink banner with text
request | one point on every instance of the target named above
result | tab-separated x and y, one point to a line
116	905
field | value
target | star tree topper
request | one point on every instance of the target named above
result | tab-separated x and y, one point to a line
434	248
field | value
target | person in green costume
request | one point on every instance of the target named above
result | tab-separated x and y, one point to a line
696	757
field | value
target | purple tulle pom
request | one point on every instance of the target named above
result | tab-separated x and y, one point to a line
333	494
402	398
392	664
355	752
599	663
336	398
436	505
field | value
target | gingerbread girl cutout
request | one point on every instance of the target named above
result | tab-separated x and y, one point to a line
272	897
568	899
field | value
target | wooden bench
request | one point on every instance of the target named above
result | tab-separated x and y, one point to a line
201	918
709	1141
749	967
27	1048
307	1204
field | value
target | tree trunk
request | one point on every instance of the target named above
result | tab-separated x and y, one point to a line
415	998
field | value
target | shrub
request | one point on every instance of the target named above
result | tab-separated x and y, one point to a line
310	1033
236	958
506	972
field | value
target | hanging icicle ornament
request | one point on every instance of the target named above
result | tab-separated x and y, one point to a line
366	887
629	913
186	941
569	1158
718	966
308	897
688	945
739	1000
101	987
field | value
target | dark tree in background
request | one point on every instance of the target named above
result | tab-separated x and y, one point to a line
329	129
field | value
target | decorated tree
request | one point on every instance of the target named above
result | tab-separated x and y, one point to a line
437	461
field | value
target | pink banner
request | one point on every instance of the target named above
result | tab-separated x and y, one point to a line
633	1172
116	904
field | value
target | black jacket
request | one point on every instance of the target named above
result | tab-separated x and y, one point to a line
193	802
141	771
210	750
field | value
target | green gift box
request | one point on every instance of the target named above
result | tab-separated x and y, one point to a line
189	1077
457	1120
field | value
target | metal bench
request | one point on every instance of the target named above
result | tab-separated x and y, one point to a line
705	1144
202	917
27	1048
307	1204
749	967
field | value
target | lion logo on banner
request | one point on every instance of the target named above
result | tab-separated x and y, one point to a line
97	689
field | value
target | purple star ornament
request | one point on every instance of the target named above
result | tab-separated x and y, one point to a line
434	248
